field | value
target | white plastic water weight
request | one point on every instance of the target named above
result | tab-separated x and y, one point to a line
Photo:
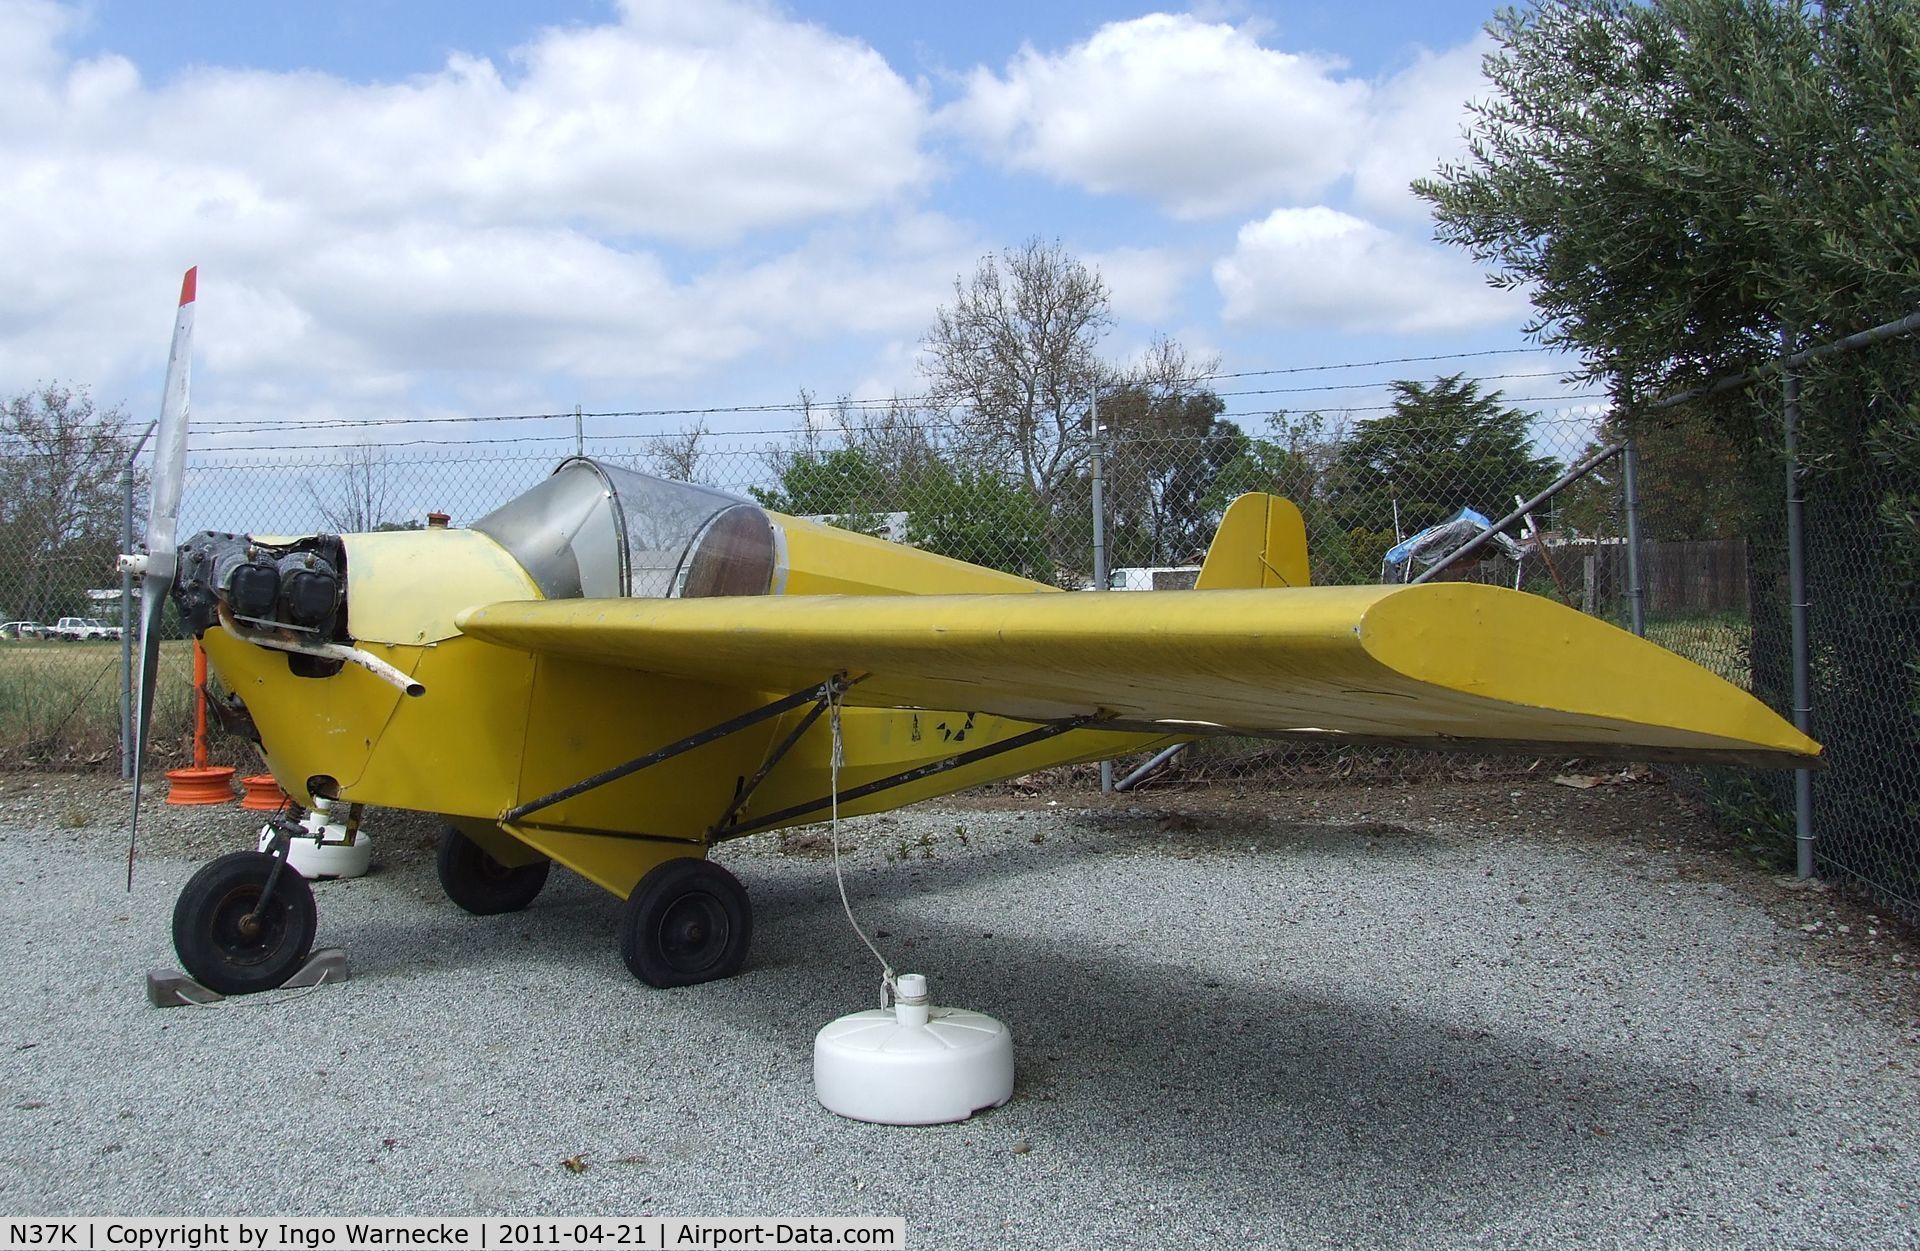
913	1063
322	849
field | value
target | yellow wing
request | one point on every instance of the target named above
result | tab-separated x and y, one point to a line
1444	664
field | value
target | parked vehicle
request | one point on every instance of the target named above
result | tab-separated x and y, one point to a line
22	630
84	629
1153	578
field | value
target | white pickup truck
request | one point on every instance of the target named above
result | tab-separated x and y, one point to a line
83	629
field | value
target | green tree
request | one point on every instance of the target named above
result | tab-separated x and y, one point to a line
1672	181
1692	482
851	462
974	514
837	481
61	504
1443	446
1164	454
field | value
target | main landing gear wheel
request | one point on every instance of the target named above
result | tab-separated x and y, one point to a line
223	944
482	885
688	921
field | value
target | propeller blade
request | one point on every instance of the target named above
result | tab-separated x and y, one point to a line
170	436
161	560
153	603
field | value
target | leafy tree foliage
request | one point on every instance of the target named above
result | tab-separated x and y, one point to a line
1444	445
1165	455
974	514
852	464
1673	180
838	481
60	499
1692	482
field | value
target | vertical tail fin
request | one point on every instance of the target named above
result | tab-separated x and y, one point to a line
1261	542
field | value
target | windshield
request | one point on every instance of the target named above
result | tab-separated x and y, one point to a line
599	531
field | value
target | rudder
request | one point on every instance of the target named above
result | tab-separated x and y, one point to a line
1261	542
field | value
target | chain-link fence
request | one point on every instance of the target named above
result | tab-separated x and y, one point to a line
1711	561
1363	483
1857	413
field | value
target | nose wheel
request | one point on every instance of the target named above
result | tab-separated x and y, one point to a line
242	925
688	921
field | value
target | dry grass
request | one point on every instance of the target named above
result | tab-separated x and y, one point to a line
60	702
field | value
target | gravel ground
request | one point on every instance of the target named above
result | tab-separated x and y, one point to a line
1495	1015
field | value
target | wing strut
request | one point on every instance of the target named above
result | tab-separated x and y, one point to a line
1039	733
818	695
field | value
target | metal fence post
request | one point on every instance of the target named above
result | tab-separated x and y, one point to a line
126	627
1797	604
1099	543
1636	588
126	609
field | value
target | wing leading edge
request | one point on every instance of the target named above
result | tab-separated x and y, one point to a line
1435	665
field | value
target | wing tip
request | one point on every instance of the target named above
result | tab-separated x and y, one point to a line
188	286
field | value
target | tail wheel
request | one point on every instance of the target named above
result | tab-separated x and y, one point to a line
482	885
688	921
231	944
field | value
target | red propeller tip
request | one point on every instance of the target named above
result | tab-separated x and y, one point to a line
187	285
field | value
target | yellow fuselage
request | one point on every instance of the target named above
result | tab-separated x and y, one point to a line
498	727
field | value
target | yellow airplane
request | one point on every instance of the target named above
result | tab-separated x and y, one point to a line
615	672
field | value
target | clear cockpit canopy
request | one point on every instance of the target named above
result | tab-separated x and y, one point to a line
602	532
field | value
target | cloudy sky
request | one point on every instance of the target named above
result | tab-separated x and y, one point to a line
452	207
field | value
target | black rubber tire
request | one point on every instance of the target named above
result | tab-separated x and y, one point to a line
207	924
687	922
482	885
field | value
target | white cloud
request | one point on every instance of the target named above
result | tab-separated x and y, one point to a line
659	126
1319	267
1142	283
523	217
1416	121
1197	117
1201	118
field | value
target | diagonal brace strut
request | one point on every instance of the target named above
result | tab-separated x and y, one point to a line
819	694
1038	734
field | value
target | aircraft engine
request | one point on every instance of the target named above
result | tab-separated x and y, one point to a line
295	587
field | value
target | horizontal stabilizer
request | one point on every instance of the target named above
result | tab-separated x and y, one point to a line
1435	665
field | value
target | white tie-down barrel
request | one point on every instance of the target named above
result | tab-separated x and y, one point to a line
913	1063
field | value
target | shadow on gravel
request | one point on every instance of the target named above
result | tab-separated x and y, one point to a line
1391	1112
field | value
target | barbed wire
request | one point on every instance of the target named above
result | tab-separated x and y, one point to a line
925	419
